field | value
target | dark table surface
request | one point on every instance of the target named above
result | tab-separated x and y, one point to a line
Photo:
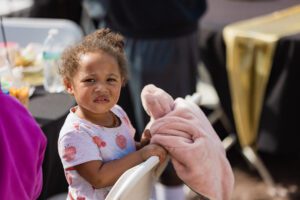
278	132
50	111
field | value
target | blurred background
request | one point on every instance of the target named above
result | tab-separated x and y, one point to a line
246	80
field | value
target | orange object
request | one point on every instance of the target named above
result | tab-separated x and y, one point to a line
21	93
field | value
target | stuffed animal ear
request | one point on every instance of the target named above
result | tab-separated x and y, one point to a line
156	101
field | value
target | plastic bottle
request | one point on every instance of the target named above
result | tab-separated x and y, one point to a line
52	49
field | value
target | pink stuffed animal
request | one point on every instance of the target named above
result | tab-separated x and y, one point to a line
196	151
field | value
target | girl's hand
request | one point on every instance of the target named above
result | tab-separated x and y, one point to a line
153	150
145	139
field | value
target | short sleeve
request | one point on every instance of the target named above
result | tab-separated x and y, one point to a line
77	147
124	117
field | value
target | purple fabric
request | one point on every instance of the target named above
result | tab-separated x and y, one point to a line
22	148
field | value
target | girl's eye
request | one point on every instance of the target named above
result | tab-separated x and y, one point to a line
111	80
90	80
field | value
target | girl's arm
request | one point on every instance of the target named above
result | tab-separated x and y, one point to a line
100	174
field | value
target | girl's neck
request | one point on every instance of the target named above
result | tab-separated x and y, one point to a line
107	119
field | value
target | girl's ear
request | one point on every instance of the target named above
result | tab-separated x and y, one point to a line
69	86
123	82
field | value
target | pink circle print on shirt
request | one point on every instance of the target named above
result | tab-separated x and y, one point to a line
69	153
76	126
99	142
121	141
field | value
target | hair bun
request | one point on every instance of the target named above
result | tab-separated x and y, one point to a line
114	39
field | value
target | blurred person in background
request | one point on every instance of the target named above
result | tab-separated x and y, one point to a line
22	148
162	48
64	9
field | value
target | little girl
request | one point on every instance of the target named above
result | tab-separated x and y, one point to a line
96	142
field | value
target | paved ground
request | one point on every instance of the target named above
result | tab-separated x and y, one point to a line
249	185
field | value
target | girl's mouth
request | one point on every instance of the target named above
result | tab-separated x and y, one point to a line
101	99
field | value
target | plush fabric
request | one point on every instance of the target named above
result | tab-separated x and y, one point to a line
196	151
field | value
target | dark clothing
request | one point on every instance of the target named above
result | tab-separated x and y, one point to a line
170	64
154	18
161	41
64	9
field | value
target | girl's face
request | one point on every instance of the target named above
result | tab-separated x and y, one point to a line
96	85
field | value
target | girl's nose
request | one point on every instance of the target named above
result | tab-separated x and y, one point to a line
100	87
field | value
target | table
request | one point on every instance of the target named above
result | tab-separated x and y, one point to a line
50	111
278	125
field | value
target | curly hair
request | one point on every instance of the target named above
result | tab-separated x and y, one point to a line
100	40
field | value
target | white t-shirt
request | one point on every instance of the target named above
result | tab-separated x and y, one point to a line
81	141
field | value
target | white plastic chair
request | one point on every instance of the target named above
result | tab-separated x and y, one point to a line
28	30
137	183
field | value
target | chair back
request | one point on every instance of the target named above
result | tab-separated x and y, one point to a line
137	182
